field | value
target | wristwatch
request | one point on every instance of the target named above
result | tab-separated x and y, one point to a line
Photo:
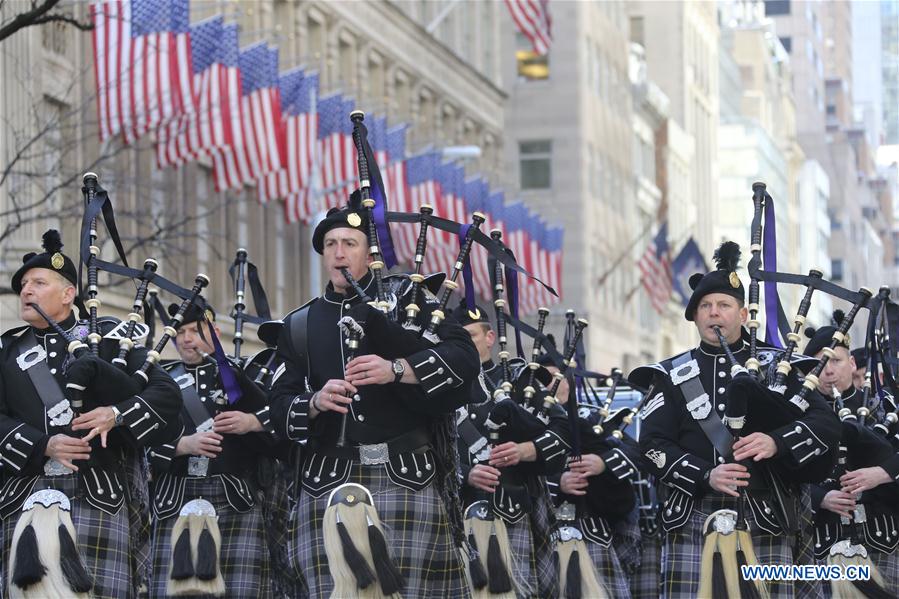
398	370
119	419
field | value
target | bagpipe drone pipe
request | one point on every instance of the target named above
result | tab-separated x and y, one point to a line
120	367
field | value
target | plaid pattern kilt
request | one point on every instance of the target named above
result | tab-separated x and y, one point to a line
243	556
103	540
543	523
627	543
276	507
888	566
608	569
682	553
415	526
644	582
521	544
803	551
137	475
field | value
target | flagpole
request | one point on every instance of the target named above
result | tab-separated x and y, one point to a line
601	281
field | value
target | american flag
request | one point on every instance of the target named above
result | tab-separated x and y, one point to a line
655	269
217	87
423	188
398	190
476	193
395	170
304	178
377	139
286	180
533	21
335	133
450	205
259	149
142	64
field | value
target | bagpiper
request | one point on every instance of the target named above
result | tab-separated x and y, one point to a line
727	496
505	460
857	508
208	534
370	516
71	423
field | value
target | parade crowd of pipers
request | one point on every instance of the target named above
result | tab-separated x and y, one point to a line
391	442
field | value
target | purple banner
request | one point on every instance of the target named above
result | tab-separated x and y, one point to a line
466	272
769	261
226	374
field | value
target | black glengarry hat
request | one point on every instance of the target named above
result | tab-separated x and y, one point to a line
464	316
194	313
821	337
723	279
351	216
51	258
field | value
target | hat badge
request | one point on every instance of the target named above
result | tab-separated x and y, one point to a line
474	314
57	261
353	219
734	280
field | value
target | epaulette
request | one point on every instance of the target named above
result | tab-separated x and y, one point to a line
269	330
13	332
642	375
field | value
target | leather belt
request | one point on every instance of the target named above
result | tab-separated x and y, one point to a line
416	441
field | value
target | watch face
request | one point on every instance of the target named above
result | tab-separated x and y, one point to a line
398	367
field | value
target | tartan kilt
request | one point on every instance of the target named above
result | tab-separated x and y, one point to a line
137	476
524	576
243	556
627	542
609	570
682	553
543	522
415	526
276	507
104	540
888	566
645	582
803	551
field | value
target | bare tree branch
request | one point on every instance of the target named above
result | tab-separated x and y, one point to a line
38	14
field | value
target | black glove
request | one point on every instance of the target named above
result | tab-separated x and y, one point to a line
104	384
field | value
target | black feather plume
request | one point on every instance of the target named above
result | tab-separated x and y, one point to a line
52	241
810	332
727	256
838	316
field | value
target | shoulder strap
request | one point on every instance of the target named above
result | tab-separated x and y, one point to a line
195	408
685	376
33	361
299	335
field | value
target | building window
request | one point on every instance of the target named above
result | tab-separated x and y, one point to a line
787	43
777	7
836	269
535	164
531	66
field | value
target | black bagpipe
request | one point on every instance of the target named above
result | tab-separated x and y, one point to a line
850	550
767	409
259	366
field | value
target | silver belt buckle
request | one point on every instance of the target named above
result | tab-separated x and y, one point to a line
197	466
55	468
371	455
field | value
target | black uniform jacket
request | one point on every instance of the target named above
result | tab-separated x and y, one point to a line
25	427
236	465
678	452
877	512
518	484
382	412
